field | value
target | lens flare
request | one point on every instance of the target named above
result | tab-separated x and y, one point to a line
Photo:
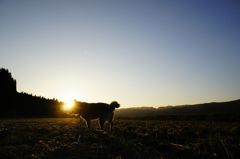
68	105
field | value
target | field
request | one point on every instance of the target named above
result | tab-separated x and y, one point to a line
67	138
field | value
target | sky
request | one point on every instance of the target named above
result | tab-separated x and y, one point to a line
137	52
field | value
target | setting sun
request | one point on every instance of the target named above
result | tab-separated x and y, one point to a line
68	105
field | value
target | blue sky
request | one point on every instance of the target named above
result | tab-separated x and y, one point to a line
138	52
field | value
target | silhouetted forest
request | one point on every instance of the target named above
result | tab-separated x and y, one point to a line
15	104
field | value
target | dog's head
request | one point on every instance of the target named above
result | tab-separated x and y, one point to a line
115	104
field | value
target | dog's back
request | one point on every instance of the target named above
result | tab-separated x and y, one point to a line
95	110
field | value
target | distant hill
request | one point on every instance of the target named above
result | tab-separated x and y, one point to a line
220	110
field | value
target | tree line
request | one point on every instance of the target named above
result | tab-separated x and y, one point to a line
20	104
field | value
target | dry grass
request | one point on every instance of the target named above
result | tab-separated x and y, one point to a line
65	138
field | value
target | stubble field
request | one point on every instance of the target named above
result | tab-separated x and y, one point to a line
67	138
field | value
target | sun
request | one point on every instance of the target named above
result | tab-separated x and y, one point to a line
68	105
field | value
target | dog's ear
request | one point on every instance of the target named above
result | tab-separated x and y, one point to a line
115	104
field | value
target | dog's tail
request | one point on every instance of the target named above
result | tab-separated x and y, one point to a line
115	104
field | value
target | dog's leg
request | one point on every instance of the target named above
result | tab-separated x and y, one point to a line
111	121
101	122
88	123
111	125
80	121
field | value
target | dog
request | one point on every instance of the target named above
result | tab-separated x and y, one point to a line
102	111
